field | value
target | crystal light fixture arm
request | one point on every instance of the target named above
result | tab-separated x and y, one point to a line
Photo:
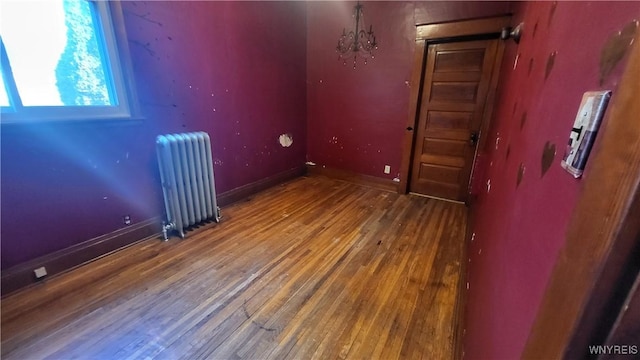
357	42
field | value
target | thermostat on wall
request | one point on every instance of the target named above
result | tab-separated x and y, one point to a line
584	131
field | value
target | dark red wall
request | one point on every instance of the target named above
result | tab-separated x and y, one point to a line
518	229
356	118
234	69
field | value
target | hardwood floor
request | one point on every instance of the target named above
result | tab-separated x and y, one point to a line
315	268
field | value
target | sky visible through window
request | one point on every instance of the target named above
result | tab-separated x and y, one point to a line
54	52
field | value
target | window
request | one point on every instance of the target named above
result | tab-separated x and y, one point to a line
60	61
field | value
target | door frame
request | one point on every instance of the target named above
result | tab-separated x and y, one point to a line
439	31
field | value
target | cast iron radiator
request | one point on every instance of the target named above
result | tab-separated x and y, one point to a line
188	186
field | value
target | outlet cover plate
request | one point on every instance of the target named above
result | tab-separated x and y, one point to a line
40	272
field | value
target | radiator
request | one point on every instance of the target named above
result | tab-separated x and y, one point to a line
188	185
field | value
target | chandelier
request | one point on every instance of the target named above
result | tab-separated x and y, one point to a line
358	42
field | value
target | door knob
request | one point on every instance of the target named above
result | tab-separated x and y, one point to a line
409	128
473	139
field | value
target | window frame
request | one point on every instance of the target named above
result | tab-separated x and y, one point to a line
114	48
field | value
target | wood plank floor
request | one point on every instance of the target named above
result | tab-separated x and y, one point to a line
315	268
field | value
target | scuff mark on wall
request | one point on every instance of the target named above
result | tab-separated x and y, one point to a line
548	155
144	17
550	62
615	49
146	46
552	12
285	140
521	171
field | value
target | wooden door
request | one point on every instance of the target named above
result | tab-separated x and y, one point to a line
457	77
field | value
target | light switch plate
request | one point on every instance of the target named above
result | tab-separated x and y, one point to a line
585	129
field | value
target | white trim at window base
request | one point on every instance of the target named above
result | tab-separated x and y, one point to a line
116	53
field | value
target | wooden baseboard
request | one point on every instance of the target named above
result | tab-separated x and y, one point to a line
22	275
352	177
242	192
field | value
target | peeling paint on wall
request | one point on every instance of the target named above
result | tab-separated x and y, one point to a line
285	140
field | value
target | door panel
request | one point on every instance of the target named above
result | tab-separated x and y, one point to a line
444	147
455	87
453	161
454	91
437	173
457	61
448	125
448	120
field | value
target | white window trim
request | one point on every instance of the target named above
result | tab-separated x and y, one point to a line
116	50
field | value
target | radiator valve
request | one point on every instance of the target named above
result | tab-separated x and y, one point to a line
166	228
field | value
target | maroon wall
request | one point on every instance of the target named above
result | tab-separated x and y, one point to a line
356	118
234	69
518	229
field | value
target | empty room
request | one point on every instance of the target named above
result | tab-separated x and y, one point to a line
319	179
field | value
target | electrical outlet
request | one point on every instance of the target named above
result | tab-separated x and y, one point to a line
40	272
387	169
127	219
